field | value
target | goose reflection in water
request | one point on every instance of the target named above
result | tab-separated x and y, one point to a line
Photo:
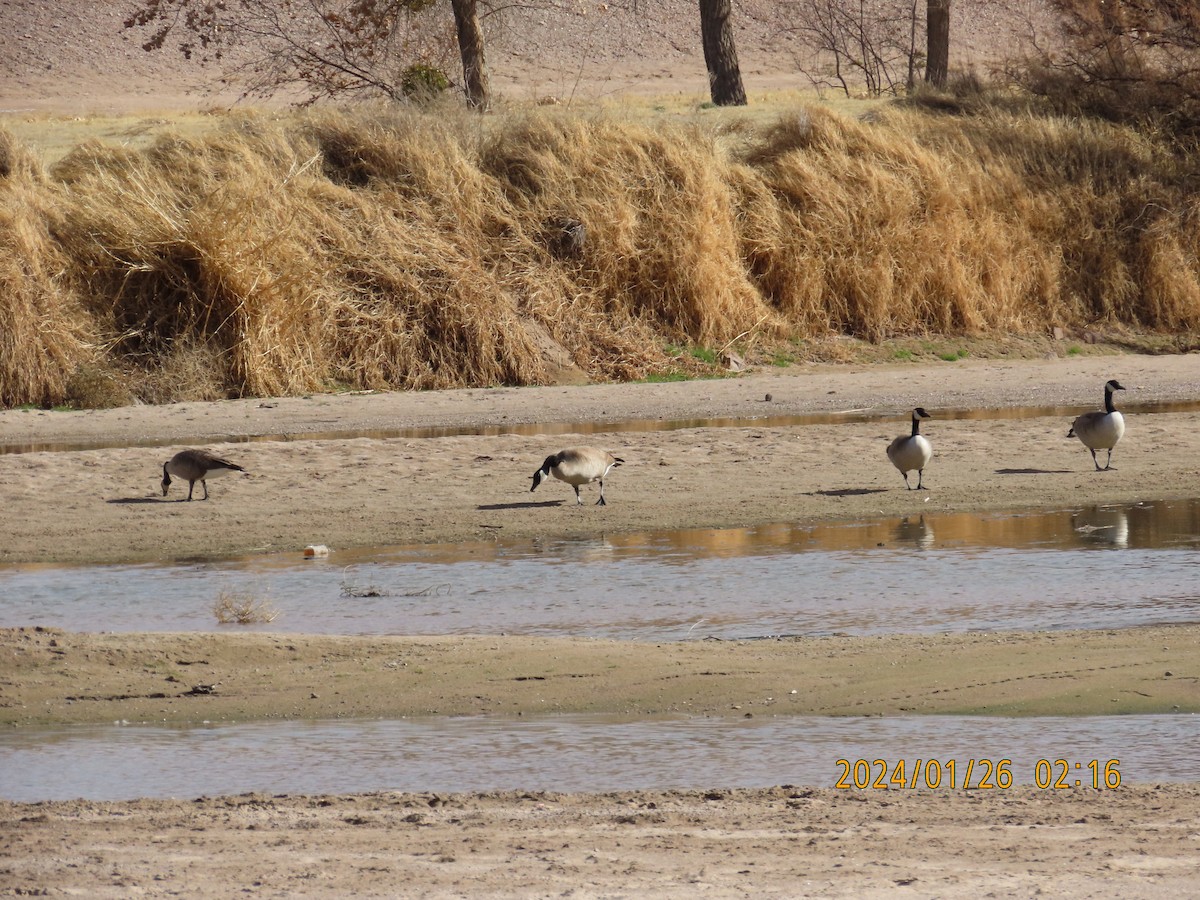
918	533
1102	527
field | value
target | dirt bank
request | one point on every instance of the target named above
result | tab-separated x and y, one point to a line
779	842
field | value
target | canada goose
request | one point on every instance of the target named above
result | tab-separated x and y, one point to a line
911	451
1101	430
195	465
577	466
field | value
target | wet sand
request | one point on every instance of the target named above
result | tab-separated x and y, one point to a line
51	677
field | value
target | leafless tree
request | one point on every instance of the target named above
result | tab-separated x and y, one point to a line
470	48
1125	59
857	45
720	54
321	48
937	42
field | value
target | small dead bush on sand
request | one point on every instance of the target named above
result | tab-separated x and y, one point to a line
243	608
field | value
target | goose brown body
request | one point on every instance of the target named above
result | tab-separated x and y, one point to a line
193	466
578	466
1101	430
912	451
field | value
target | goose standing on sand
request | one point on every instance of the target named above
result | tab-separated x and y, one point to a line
578	466
1101	430
193	466
912	451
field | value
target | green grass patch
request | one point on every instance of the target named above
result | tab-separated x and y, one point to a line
954	355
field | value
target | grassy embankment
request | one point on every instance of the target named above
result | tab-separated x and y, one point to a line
284	254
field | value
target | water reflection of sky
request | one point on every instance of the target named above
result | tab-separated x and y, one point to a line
943	573
574	753
530	429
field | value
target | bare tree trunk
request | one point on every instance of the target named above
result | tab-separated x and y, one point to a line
470	47
911	81
720	54
937	42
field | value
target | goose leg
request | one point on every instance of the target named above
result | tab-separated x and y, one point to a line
204	484
1096	461
191	487
920	476
1108	464
578	499
907	486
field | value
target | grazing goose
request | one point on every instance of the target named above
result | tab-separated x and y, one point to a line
1101	430
195	465
911	451
577	466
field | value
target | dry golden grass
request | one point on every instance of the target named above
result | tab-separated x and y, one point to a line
380	248
45	334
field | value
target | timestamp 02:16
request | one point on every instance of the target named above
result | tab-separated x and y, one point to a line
974	773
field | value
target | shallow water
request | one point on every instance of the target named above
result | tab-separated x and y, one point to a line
578	753
530	429
940	573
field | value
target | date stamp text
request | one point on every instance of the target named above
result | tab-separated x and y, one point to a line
974	774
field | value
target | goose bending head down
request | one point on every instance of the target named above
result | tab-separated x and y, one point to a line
193	466
912	451
1101	430
578	466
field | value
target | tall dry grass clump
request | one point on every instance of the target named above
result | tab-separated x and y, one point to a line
1110	210
386	248
412	227
662	246
202	244
856	227
45	335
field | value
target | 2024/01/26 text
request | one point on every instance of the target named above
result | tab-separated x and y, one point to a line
979	774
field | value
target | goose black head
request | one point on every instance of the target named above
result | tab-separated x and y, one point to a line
919	412
1113	385
543	471
166	482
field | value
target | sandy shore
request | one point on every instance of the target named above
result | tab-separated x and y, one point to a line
104	504
342	478
50	677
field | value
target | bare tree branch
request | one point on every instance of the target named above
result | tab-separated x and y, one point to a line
318	48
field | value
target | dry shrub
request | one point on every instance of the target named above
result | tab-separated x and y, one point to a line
1123	61
97	385
1103	208
417	302
186	372
243	608
17	163
842	219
